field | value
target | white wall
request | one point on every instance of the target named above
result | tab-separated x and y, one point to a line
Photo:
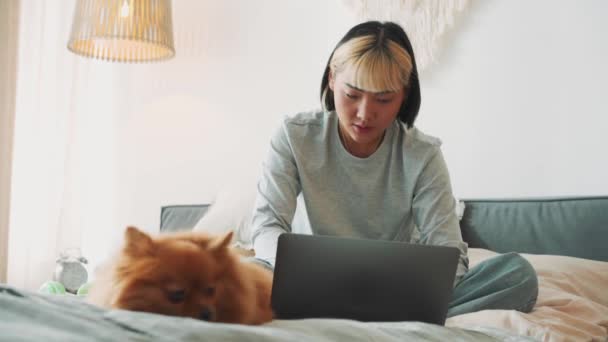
518	98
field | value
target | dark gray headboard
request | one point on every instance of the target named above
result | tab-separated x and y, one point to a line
572	226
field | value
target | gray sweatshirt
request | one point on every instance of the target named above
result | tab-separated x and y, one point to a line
402	192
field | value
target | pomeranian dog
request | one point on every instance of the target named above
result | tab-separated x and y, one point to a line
184	274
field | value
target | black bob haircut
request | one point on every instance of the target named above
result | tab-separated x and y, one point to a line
382	31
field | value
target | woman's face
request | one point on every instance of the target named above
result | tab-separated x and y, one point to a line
363	115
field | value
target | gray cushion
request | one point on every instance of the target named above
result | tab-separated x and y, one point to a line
565	226
181	217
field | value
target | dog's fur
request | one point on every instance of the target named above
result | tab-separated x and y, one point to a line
184	274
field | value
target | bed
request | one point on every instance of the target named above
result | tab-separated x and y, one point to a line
563	238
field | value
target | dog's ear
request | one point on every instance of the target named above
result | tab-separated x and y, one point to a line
221	243
138	243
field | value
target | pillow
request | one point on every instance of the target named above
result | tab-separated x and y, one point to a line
231	210
581	277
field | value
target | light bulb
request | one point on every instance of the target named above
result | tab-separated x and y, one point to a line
124	10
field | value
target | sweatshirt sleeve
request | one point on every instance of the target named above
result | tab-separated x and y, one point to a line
277	191
434	210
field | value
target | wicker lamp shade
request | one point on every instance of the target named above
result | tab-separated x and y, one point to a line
123	30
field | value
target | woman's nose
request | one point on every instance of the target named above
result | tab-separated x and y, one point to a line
366	110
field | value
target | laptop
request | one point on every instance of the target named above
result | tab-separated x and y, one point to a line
365	280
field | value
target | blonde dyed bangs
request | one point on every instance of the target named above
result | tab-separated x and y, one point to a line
375	67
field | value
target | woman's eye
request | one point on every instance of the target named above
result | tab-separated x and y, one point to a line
352	96
210	291
176	296
384	100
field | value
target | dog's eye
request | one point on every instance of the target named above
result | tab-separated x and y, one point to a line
176	296
209	291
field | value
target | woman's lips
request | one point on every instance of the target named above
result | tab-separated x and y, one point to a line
362	129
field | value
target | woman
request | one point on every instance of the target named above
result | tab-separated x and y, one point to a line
365	171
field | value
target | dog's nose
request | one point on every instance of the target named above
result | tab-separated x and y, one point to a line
206	314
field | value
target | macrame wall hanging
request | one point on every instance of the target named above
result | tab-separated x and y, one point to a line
425	21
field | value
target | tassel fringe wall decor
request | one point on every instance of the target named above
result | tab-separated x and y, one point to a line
425	21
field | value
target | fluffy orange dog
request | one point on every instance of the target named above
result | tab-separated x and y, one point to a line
184	274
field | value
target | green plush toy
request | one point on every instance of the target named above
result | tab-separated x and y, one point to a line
83	290
56	288
52	287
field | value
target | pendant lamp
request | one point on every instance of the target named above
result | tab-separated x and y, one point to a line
123	30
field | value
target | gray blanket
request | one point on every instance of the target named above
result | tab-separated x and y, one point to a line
28	316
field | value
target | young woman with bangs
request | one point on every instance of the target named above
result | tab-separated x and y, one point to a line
364	170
